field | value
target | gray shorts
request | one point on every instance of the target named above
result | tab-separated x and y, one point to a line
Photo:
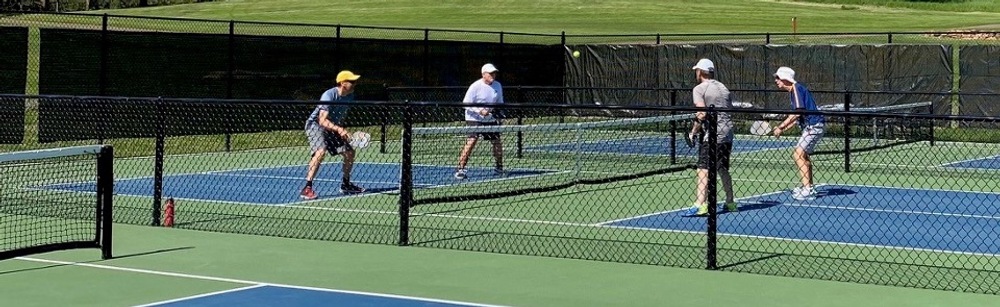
810	137
320	138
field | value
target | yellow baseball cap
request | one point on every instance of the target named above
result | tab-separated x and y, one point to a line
347	75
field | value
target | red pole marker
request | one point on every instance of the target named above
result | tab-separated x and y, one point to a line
168	214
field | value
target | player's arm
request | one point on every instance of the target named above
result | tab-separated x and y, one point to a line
790	120
324	120
470	97
699	101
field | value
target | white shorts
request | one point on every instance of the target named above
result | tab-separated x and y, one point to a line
810	137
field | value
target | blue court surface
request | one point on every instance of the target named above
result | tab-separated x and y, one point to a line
983	163
281	185
940	220
658	146
270	295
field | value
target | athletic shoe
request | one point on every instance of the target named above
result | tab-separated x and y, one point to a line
732	207
308	193
697	210
803	193
460	174
350	188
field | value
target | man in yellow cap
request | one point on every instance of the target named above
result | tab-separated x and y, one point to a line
326	133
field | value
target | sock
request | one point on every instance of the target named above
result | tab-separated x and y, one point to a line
309	183
346	180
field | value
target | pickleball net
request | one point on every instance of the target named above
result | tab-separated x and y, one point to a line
541	157
56	199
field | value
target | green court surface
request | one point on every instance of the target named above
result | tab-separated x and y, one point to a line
634	225
162	264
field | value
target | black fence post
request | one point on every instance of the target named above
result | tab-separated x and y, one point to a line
336	49
406	177
103	83
427	56
229	77
711	187
500	53
103	76
767	38
562	115
847	133
158	162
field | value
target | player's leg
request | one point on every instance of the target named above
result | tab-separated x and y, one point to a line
807	143
341	146
724	152
463	158
700	207
318	151
804	165
497	152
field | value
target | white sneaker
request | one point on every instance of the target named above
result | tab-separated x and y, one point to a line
803	193
460	174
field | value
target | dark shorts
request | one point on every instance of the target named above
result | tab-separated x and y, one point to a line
322	139
485	135
723	150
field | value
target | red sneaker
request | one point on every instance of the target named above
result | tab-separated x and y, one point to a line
308	193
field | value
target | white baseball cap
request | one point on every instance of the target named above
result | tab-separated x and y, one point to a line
785	73
489	68
705	64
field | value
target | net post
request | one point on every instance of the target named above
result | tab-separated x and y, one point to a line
520	137
930	127
158	162
847	133
578	150
406	177
383	132
105	190
673	128
712	197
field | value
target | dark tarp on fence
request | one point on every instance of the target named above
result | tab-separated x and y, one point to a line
632	72
13	78
980	73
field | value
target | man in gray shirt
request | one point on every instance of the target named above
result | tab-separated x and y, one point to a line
710	92
326	133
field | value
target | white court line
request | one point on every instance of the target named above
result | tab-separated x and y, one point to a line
893	211
656	153
723	234
242	281
905	188
682	209
188	298
969	160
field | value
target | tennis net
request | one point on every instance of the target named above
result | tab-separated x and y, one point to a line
41	208
887	127
544	157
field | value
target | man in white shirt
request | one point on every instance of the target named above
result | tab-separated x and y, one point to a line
486	90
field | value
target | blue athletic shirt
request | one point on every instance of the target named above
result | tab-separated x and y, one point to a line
801	98
336	113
